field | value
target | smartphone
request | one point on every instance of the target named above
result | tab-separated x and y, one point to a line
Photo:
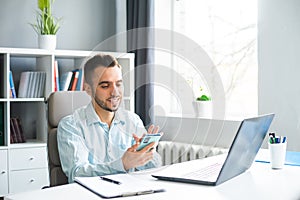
147	139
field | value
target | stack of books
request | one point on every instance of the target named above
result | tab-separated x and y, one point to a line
32	84
68	81
16	131
71	81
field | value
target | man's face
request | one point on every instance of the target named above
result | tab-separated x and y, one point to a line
108	88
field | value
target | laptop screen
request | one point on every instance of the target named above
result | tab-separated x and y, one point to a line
245	146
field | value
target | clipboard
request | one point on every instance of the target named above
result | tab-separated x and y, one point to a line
118	185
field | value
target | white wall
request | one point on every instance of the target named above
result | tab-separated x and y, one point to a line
85	23
279	66
214	133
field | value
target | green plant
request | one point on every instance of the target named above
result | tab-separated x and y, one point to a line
46	24
203	97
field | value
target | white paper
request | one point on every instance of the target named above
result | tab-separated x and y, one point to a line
129	185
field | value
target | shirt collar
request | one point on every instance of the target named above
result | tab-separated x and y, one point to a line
92	116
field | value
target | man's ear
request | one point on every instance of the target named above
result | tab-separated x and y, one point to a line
87	88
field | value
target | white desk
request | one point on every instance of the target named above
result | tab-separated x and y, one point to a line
259	182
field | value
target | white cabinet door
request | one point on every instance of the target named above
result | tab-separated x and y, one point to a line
3	173
26	180
28	169
28	158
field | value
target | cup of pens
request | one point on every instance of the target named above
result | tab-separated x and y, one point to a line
277	148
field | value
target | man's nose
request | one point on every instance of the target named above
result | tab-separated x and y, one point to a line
115	90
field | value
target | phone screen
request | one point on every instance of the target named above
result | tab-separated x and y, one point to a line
147	139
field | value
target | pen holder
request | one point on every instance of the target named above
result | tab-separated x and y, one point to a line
277	155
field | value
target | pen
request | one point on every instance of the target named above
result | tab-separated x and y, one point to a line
272	138
272	134
283	140
110	180
277	139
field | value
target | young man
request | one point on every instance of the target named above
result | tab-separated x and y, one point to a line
101	138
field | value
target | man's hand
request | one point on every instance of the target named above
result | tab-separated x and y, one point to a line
153	130
133	158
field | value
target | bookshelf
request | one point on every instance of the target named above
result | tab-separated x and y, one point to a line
24	166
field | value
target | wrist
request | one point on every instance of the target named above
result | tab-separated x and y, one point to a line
125	165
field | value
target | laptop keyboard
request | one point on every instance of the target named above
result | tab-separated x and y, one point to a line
208	172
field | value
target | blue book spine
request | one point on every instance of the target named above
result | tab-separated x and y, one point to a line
12	85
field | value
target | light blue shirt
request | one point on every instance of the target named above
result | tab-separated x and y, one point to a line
88	147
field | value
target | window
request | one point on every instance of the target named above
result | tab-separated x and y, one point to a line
227	31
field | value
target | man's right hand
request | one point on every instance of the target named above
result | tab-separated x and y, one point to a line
133	158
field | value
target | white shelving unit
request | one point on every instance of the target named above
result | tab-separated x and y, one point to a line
24	166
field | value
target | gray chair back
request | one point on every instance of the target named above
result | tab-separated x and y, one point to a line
60	104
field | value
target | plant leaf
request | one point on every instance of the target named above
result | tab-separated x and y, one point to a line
203	98
45	22
42	4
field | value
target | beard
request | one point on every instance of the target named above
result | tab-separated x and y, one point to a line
102	104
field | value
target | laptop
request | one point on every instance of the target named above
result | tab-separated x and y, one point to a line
218	169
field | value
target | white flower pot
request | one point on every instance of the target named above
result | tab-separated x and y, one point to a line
47	42
203	109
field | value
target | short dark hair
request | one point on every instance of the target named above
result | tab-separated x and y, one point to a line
99	60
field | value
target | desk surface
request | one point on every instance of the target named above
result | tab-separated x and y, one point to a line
259	182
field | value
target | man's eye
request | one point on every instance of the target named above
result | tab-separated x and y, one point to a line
104	86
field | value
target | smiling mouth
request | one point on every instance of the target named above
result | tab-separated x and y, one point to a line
114	100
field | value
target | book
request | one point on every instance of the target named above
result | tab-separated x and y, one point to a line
65	81
16	134
13	135
30	85
33	87
118	185
56	76
79	85
12	85
1	124
18	130
42	84
23	85
37	88
21	130
75	80
71	81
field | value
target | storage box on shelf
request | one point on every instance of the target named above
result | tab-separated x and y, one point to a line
24	166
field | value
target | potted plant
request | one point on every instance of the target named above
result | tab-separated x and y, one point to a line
46	25
203	105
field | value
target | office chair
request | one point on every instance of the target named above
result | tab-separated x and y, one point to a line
60	104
